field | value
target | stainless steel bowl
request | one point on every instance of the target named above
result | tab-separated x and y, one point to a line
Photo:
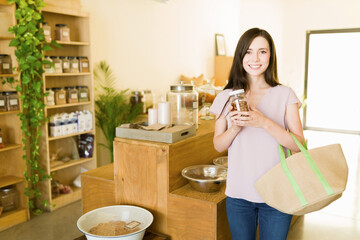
221	161
205	178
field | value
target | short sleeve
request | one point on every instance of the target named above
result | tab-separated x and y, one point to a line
218	106
293	99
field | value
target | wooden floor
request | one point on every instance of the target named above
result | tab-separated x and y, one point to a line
339	221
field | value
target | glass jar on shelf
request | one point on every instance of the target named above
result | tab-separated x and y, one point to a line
71	95
184	104
50	100
65	64
12	101
59	96
9	198
83	93
148	100
57	64
2	102
5	64
207	95
48	68
62	32
136	98
84	65
2	145
47	31
74	64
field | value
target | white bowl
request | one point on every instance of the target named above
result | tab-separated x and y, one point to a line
126	213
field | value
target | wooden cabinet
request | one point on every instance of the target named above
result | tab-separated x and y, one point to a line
148	174
12	165
66	145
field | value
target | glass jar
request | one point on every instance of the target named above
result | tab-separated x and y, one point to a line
2	102
136	98
83	93
65	64
207	93
238	101
12	101
71	95
9	198
59	96
57	64
2	145
148	100
74	64
5	64
47	67
84	65
50	98
184	104
47	31
62	32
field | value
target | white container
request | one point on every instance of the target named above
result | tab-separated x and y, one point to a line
73	122
66	124
124	213
55	125
88	120
81	121
164	113
152	116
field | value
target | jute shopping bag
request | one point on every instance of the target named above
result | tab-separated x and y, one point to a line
306	181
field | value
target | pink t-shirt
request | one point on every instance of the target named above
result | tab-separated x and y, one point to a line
254	151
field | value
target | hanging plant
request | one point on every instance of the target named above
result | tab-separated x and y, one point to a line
29	43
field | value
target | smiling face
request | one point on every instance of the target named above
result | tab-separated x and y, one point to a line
257	57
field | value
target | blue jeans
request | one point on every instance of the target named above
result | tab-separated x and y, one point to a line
244	216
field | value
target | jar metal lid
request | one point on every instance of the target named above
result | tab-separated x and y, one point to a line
136	92
147	91
62	57
60	25
81	86
236	92
53	57
70	58
69	87
9	92
181	88
4	55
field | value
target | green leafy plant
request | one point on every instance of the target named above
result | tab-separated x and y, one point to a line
112	106
29	43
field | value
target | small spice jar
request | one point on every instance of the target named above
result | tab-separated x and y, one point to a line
12	101
47	31
83	93
59	96
62	32
65	64
74	64
57	64
47	67
50	98
2	102
5	64
135	98
84	65
238	101
71	95
9	198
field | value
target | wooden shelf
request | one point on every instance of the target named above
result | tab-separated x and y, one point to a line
68	105
68	135
9	75
6	38
66	74
65	199
10	180
10	146
12	218
64	11
10	112
75	43
69	164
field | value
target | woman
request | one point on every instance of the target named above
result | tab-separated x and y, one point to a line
252	137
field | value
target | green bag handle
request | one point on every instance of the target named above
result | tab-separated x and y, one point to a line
313	166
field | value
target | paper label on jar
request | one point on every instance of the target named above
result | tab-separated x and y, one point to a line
13	102
57	65
46	32
75	65
61	96
65	33
195	105
65	65
6	66
85	65
50	98
83	95
2	103
74	96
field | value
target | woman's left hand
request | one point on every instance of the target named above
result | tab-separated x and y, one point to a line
253	118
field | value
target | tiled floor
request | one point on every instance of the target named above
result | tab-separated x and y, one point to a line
338	221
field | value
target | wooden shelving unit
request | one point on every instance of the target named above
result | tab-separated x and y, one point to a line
66	172
12	165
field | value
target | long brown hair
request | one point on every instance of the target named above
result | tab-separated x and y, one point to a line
237	77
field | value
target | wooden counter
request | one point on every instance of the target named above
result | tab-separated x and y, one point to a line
148	174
